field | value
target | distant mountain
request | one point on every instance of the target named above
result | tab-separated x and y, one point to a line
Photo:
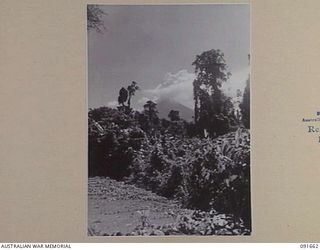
164	106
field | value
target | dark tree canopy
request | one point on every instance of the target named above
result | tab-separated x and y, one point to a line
151	112
211	72
150	108
211	69
123	96
94	18
174	115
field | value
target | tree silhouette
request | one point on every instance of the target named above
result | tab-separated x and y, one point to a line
211	73
150	110
174	115
132	88
245	105
123	96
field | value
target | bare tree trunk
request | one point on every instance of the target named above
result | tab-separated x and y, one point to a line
196	111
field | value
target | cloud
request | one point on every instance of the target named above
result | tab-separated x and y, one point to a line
177	87
143	100
237	80
112	104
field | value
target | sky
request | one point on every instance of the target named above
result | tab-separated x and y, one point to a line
155	45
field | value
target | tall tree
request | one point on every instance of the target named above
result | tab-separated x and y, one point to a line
150	110
132	88
245	105
211	72
123	96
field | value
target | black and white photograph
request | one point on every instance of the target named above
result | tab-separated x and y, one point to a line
169	120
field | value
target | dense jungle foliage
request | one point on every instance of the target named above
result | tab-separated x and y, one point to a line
204	164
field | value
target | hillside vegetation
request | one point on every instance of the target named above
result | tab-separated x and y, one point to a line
199	173
203	165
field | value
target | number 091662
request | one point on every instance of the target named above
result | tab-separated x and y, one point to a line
313	245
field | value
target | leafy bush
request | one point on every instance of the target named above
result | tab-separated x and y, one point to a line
202	173
113	137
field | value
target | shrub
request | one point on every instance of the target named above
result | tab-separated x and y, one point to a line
113	139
